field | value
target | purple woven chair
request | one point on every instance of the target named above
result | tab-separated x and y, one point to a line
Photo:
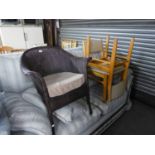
59	77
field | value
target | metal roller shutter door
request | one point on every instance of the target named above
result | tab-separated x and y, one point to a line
143	59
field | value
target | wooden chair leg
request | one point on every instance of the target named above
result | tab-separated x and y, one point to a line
109	89
105	88
111	72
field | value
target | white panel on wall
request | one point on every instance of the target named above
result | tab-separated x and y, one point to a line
12	36
33	36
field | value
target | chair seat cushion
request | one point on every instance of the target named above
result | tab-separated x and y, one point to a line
96	54
117	73
25	116
62	83
116	70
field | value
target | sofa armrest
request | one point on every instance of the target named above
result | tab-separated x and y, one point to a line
4	120
40	86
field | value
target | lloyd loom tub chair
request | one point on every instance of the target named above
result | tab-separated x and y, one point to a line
59	77
108	68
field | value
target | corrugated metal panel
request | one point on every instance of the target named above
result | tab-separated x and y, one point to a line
143	59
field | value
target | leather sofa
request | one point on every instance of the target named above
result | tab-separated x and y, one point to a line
20	101
25	113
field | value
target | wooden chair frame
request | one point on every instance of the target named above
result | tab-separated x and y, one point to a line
87	47
68	42
108	68
110	64
9	49
106	48
125	59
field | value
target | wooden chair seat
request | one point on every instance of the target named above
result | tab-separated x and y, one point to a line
108	66
117	70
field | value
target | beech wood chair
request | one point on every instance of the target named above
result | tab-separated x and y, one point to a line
111	70
66	43
8	49
92	48
121	59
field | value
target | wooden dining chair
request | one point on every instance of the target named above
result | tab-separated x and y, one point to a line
109	67
8	49
68	43
5	49
92	48
121	59
103	70
106	47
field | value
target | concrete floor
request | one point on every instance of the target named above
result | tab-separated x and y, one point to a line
140	120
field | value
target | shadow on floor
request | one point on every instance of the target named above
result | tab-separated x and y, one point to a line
140	120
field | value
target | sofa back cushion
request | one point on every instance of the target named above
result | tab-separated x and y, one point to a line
4	119
12	78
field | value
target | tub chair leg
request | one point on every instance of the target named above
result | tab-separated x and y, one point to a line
52	125
89	104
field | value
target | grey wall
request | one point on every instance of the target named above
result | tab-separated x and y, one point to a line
143	59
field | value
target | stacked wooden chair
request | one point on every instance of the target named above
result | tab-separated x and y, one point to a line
92	48
8	49
109	69
66	43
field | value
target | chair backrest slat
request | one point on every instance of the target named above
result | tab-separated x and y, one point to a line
106	47
92	46
66	43
111	67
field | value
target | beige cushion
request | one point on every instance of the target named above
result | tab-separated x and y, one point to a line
96	55
118	90
117	73
62	83
116	70
95	45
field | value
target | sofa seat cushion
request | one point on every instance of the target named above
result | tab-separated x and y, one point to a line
80	121
4	120
61	83
70	112
77	118
12	79
24	116
31	95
